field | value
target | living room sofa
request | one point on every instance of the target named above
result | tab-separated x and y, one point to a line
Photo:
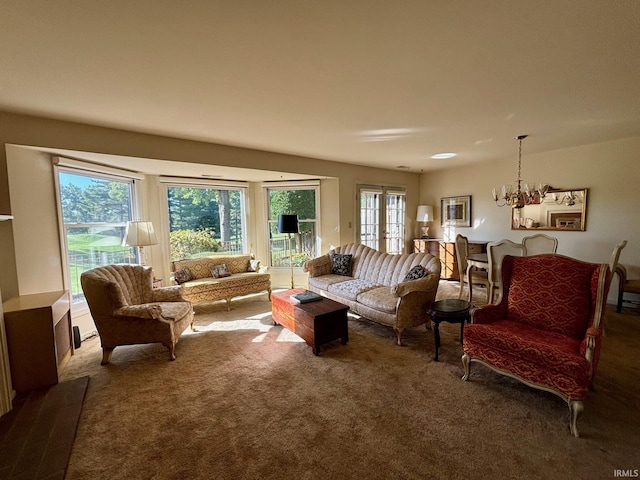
376	285
198	284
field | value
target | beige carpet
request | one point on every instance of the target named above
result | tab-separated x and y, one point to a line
248	400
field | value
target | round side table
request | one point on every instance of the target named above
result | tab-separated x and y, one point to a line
450	310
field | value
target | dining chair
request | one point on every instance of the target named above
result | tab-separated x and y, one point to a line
616	268
615	256
478	277
625	286
540	243
496	251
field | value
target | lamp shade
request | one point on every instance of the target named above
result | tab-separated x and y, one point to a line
287	223
140	234
425	213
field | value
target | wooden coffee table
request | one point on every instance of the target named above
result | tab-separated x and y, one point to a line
316	322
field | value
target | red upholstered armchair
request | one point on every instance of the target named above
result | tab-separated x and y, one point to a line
547	327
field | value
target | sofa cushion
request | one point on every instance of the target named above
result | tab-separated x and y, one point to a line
182	275
220	271
237	279
351	288
341	264
381	298
323	282
201	267
415	273
254	265
543	349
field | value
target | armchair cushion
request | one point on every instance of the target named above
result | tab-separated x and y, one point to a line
541	350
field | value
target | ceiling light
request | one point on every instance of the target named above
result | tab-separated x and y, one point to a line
386	134
442	156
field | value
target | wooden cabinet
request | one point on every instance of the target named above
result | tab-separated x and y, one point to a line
446	252
39	338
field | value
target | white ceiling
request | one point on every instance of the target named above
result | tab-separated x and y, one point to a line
368	82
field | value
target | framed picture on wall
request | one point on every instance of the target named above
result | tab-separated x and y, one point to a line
456	211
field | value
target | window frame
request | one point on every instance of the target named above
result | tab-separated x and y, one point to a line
76	167
183	182
290	186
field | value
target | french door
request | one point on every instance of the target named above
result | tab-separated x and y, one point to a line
381	218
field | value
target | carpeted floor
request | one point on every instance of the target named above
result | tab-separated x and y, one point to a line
249	400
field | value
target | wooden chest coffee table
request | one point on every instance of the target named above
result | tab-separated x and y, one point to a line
316	322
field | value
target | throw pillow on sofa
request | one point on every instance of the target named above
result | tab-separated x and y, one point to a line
341	264
182	275
254	265
415	273
220	271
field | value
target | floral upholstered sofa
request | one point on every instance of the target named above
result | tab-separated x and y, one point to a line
394	290
220	277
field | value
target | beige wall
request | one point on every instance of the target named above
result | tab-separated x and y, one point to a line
35	222
29	244
609	170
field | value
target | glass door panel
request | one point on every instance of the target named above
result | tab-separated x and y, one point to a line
381	218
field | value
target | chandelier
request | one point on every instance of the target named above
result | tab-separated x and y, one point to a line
520	195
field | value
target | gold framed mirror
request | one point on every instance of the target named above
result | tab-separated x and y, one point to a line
564	210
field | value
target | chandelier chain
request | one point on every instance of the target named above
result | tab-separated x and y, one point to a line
519	160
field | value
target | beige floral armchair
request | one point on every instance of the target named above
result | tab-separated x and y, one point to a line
127	310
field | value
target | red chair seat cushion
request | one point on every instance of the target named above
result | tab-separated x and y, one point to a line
540	356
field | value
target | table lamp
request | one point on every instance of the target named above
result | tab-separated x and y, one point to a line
140	234
425	215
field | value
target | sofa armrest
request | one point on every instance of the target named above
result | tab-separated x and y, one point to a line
146	310
168	294
318	266
425	284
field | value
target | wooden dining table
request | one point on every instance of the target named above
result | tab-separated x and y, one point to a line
477	260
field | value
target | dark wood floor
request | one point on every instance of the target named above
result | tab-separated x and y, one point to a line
36	437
